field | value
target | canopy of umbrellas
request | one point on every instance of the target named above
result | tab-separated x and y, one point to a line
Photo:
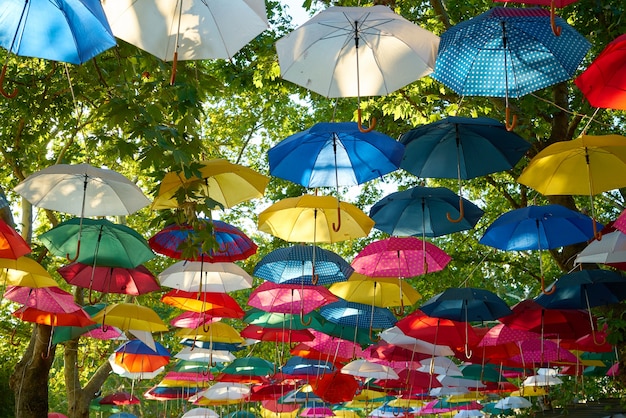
342	338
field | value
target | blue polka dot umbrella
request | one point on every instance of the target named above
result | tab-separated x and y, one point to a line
508	52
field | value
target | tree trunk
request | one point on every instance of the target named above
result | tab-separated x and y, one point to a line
29	380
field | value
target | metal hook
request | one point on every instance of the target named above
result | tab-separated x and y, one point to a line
2	90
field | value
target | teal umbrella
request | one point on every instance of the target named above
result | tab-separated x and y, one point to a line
100	242
249	366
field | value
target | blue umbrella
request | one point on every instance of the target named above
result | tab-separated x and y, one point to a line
539	228
333	154
358	315
461	148
423	211
300	366
294	265
508	52
72	31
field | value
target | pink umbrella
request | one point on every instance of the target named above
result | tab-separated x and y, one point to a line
316	412
502	334
290	298
542	353
111	333
128	281
49	299
190	319
334	346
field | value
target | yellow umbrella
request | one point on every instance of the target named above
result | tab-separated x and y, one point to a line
530	391
314	219
587	165
130	316
378	291
217	332
266	413
220	180
24	272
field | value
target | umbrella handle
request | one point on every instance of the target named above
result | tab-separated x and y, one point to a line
338	226
174	67
302	320
374	338
543	287
71	260
12	338
596	234
555	28
468	352
92	301
461	212
507	115
360	126
2	90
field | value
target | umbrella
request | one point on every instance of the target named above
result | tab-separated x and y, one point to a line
314	219
216	180
212	303
119	398
461	148
128	281
25	272
609	250
335	347
294	264
283	320
289	298
70	31
135	356
542	353
399	257
226	391
250	366
204	355
197	30
508	52
334	154
358	315
553	4
12	245
440	365
216	332
356	51
301	367
513	402
395	336
335	387
200	413
602	82
98	242
130	316
542	380
369	370
181	242
189	319
538	228
422	211
583	166
376	291
316	412
196	276
63	333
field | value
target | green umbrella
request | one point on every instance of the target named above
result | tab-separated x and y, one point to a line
282	320
482	372
249	366
361	336
95	405
100	243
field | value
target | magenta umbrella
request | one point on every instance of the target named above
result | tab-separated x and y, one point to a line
129	281
189	319
49	299
400	257
290	298
542	353
502	334
334	346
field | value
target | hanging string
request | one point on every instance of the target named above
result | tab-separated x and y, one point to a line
464	283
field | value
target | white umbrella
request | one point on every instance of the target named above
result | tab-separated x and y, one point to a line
448	390
368	369
610	249
395	336
223	391
440	365
466	413
200	413
459	382
541	380
513	402
82	190
204	355
196	276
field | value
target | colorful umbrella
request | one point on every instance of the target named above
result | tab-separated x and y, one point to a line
25	272
215	332
130	316
333	347
335	387
51	299
294	264
189	319
422	211
200	413
333	154
461	148
399	257
602	82
129	281
119	398
12	245
72	318
196	276
204	355
226	391
369	370
289	298
358	315
181	242
305	368
583	166
356	51
283	320
221	181
466	304
437	331
508	52
212	303
383	292
542	353
276	335
398	338
314	219
98	242
135	356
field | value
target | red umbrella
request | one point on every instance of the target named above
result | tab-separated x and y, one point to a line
12	245
559	323
305	351
279	407
391	352
410	380
290	298
400	257
282	335
334	347
335	387
213	303
238	378
119	398
128	281
590	342
270	391
78	318
604	82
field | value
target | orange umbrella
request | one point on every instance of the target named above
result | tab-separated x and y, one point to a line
12	245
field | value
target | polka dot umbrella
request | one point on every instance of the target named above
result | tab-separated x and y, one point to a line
508	52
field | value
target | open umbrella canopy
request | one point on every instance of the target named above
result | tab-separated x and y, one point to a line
466	304
354	51
26	272
72	31
610	249
197	276
50	299
330	154
82	189
314	219
289	298
422	211
219	180
98	242
130	316
128	281
182	242
437	331
378	291
215	332
399	257
294	265
358	315
74	318
215	304
135	356
119	398
283	320
369	370
12	245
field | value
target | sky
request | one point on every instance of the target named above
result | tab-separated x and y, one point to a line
296	10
